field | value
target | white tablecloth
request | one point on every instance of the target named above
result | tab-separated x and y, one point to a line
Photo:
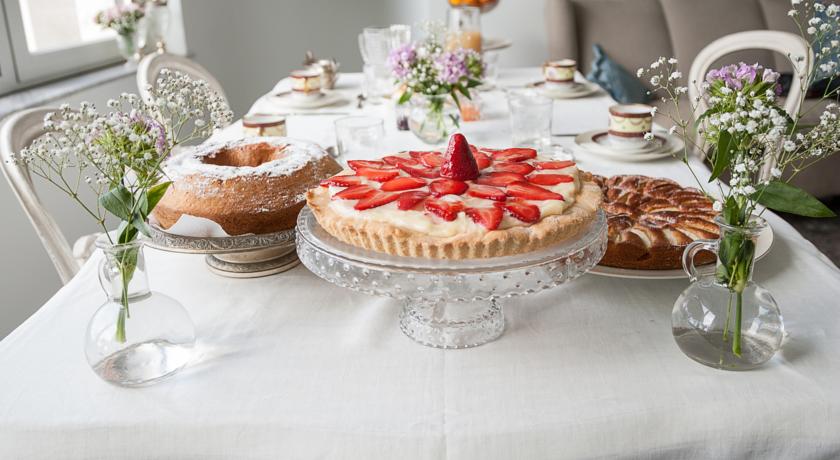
290	366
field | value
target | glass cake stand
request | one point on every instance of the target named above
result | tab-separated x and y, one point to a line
243	256
448	303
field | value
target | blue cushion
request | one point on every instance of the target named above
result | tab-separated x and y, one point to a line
622	85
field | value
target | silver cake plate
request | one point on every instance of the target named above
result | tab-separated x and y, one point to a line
242	256
448	303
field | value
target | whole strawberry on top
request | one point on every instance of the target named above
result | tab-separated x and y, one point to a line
458	161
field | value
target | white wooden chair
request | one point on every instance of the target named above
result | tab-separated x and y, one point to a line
17	132
792	46
789	45
151	65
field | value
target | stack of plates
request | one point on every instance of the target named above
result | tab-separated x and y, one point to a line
598	142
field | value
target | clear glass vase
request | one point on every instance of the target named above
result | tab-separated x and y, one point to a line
724	319
131	44
432	118
137	336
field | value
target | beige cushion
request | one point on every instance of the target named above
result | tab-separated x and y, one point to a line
694	24
633	33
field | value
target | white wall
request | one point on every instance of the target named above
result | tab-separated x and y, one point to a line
249	45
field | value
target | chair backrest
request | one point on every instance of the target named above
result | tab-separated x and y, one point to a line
787	44
792	46
17	132
151	65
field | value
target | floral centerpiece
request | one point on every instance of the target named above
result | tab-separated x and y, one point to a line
118	157
432	77
761	148
125	21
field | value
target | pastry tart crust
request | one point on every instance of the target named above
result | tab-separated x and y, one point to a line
391	239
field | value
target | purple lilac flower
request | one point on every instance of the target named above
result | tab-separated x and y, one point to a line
746	73
153	126
769	76
401	59
452	66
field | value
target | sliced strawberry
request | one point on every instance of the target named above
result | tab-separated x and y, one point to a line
402	183
356	192
356	164
526	212
394	160
416	154
458	161
420	170
481	159
376	199
432	159
553	164
487	192
490	218
379	175
442	187
514	154
341	181
550	179
500	179
446	210
531	192
408	200
519	168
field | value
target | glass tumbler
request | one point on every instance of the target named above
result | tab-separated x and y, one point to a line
465	28
359	136
530	118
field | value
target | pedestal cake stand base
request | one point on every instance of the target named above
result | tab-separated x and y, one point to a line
448	303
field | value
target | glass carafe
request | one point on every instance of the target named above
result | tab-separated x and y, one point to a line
137	336
724	319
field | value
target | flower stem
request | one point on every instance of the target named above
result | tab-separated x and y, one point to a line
736	335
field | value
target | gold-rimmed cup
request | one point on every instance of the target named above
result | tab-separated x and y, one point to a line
629	123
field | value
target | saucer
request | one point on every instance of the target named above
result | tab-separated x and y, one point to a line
597	142
573	91
289	101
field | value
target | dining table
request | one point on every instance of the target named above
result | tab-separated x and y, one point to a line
291	366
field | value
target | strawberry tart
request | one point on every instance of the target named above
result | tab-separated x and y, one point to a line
468	202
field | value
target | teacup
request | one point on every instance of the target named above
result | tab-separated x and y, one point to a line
263	124
629	123
559	74
306	84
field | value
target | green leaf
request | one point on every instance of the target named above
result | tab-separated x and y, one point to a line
118	202
128	234
139	222
155	194
405	97
464	91
723	154
455	97
781	196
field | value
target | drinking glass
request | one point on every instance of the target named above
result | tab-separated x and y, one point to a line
465	28
359	136
530	118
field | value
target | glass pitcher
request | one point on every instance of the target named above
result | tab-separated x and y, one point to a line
137	336
724	319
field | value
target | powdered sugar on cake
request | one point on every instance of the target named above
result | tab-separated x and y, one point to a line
295	154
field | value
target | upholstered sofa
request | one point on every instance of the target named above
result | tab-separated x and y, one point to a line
636	32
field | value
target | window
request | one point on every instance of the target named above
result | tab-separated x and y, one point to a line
51	38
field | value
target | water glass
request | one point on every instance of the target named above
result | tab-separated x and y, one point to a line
530	118
359	136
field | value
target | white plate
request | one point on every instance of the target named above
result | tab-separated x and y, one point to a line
495	44
597	142
762	247
287	101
